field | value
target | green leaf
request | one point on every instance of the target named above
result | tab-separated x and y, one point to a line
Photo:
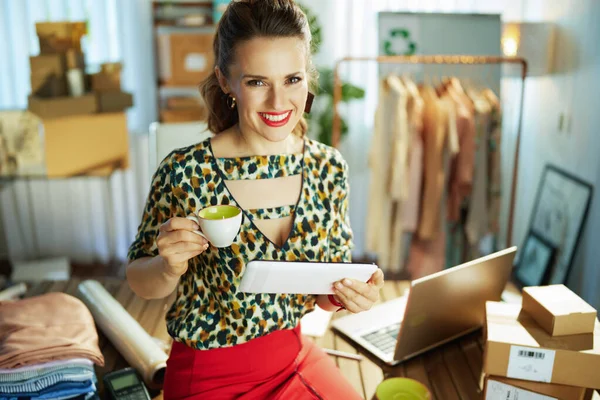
350	92
315	28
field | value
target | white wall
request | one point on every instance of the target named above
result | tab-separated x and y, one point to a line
574	89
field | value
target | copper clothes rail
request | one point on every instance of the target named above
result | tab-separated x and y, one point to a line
441	59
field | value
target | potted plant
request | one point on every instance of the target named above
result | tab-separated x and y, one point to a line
320	118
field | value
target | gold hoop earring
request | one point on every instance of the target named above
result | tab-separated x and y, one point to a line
231	101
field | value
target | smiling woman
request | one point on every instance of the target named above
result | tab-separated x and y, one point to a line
293	193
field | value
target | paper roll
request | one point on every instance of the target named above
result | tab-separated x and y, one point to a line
125	333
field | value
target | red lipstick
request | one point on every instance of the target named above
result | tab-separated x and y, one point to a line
275	120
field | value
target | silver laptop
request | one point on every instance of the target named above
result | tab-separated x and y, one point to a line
437	309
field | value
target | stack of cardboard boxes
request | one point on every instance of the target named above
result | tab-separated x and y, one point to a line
85	126
546	348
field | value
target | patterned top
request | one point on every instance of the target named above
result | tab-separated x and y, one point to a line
209	311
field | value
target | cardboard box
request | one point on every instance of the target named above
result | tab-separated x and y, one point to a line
106	82
114	101
185	58
517	347
111	67
183	102
59	37
48	64
183	115
559	310
500	388
57	107
48	86
80	144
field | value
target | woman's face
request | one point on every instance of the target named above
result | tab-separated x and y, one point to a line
269	82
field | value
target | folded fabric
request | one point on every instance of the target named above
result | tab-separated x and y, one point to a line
18	377
38	384
53	326
56	391
70	362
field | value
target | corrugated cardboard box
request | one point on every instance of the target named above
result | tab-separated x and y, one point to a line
78	144
58	37
558	310
185	58
183	114
58	107
106	82
114	101
48	64
501	388
48	86
517	347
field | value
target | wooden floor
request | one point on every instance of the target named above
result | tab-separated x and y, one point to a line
450	372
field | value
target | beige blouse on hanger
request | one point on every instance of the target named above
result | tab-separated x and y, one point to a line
388	162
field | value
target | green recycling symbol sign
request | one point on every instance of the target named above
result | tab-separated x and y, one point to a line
399	42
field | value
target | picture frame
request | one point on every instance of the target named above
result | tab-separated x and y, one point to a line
535	259
559	215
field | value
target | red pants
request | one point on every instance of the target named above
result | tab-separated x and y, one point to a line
281	365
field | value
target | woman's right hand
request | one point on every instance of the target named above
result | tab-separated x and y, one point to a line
177	243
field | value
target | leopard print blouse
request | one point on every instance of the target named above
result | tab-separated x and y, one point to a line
209	311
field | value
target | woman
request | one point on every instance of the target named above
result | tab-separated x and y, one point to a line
294	196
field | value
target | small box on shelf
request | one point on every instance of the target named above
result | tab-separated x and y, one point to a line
114	101
189	114
48	86
59	37
106	82
57	107
185	58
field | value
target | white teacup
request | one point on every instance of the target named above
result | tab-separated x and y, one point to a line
219	224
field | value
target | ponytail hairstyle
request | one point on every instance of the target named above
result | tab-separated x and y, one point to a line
244	20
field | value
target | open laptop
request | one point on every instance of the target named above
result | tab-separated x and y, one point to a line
438	308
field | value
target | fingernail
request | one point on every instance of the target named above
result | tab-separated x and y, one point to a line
206	246
196	227
339	285
347	282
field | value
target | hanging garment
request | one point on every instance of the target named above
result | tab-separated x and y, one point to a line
411	206
477	220
388	161
427	255
494	162
461	169
435	124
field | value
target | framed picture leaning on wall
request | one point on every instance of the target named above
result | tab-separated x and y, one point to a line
559	214
537	255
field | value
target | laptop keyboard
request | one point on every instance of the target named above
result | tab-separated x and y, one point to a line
384	339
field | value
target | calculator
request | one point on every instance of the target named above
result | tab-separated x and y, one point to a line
125	384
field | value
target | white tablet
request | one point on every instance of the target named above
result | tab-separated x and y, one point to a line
300	277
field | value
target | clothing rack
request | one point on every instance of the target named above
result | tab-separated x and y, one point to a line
440	59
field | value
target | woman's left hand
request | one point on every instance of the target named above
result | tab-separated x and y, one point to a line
357	296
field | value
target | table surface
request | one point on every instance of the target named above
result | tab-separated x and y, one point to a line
451	371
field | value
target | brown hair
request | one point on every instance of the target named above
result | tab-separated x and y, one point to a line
245	20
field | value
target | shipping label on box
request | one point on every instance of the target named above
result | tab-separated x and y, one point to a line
534	365
501	391
495	387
